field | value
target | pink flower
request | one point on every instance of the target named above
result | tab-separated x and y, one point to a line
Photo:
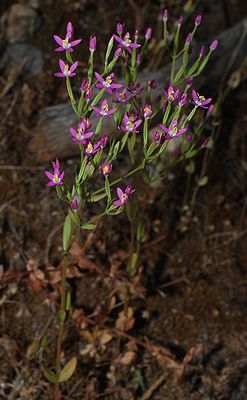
74	204
200	101
65	44
126	43
147	111
56	178
121	97
107	83
183	99
104	110
129	125
105	168
80	135
123	196
67	71
90	148
171	94
173	130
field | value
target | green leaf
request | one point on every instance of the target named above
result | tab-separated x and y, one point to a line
68	370
190	168
82	173
133	263
96	197
67	231
131	211
151	148
191	154
123	141
140	230
50	376
145	134
60	316
88	226
33	349
68	302
115	211
107	188
74	217
202	181
115	150
99	126
44	341
108	50
97	158
131	146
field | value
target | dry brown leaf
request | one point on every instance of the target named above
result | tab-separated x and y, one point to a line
83	262
128	358
104	337
125	320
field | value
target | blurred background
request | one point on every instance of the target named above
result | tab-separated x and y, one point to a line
187	305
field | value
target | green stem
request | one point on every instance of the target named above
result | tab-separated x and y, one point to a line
61	326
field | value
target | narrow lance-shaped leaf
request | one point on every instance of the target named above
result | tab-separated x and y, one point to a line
68	370
67	231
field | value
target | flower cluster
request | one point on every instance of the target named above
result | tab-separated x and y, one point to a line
136	106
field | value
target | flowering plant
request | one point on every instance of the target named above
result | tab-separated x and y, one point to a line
133	109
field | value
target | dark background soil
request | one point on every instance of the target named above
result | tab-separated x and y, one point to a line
184	332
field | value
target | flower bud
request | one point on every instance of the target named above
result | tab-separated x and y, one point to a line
85	85
189	82
198	20
120	28
105	168
129	190
147	111
152	84
202	50
188	39
148	34
118	52
165	15
213	45
210	110
180	20
92	44
182	100
156	137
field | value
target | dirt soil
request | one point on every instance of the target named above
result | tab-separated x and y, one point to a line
178	330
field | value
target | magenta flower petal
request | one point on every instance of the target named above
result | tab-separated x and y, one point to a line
48	174
206	101
75	42
117	203
117	38
119	192
73	66
164	128
51	183
62	175
59	74
59	49
99	77
61	64
58	40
